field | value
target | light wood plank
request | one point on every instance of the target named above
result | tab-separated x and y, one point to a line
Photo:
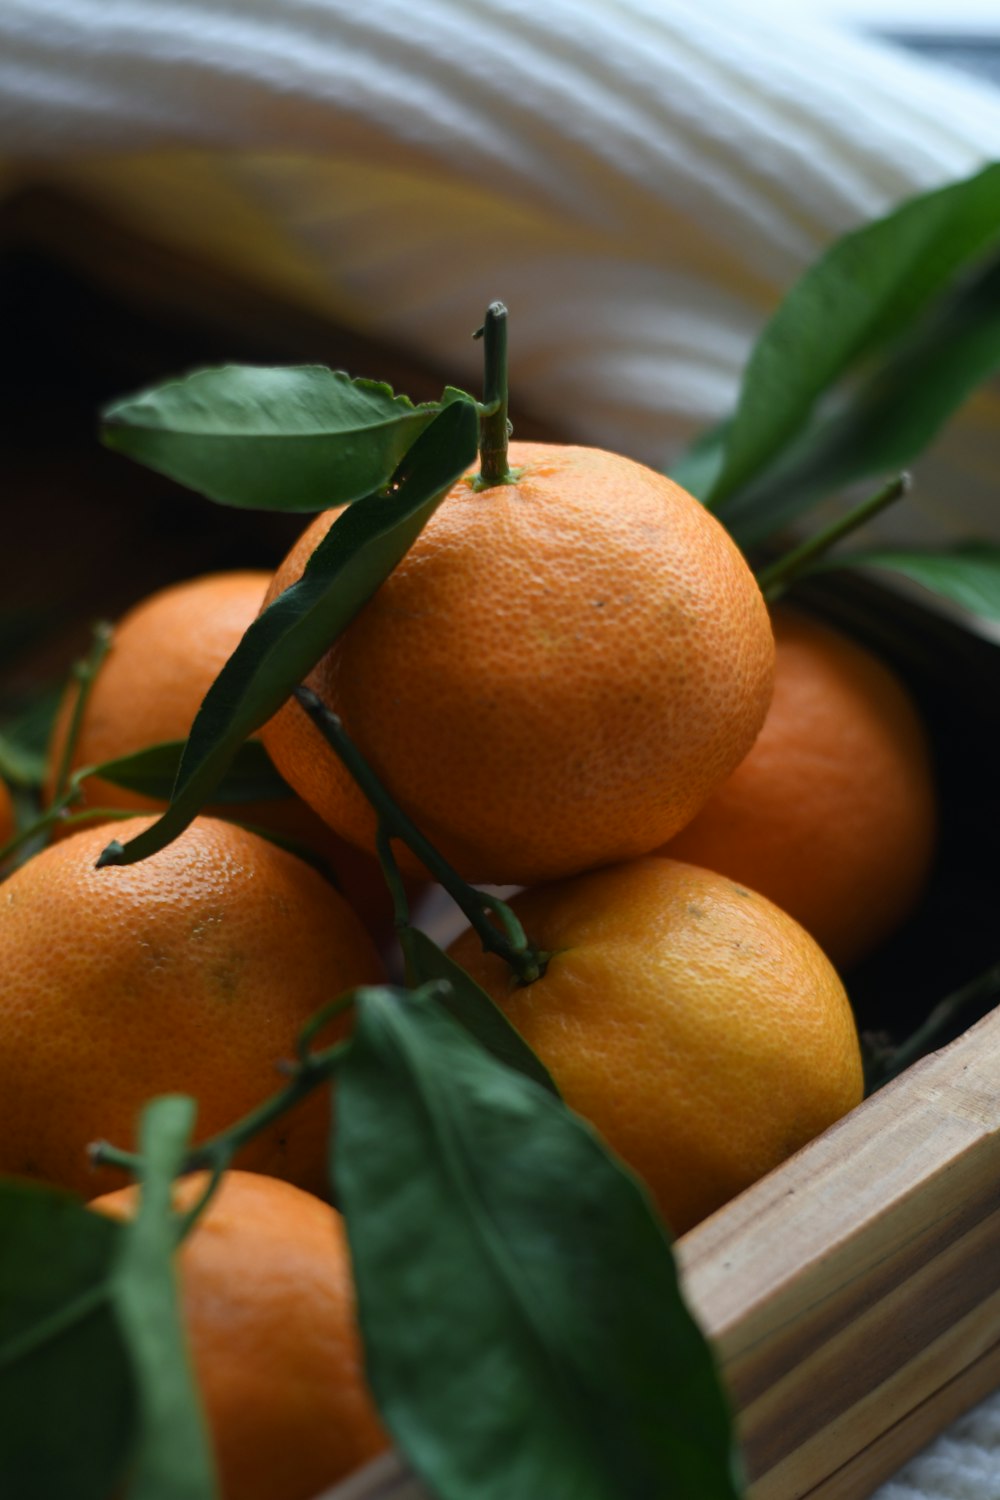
850	1290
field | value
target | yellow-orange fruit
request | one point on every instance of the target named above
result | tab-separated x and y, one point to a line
696	1025
557	674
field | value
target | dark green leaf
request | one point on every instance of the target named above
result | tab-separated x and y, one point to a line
969	575
865	291
699	466
284	643
301	438
67	1410
523	1326
886	421
469	1004
251	777
172	1460
24	740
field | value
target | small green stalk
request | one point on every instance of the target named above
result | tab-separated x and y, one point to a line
977	994
85	672
510	944
216	1154
494	426
776	577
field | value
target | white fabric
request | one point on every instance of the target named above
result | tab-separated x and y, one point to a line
640	180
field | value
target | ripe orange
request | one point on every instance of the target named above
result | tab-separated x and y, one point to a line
165	654
697	1026
557	674
191	972
832	814
268	1305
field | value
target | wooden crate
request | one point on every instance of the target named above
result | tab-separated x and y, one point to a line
851	1294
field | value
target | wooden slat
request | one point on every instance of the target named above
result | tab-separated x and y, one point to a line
852	1295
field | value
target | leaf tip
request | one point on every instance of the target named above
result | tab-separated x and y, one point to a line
113	854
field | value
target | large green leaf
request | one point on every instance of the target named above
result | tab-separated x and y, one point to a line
300	438
251	776
67	1409
700	465
886	420
968	575
868	289
172	1460
523	1326
469	1004
284	643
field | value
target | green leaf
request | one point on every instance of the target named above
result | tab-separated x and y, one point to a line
173	1460
865	291
699	466
969	575
886	420
469	1004
67	1408
24	740
523	1326
293	439
284	643
251	776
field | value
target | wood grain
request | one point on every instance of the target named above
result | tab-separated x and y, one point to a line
852	1296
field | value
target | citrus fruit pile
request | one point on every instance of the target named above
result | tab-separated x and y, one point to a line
567	686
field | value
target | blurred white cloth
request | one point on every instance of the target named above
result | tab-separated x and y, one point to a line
640	180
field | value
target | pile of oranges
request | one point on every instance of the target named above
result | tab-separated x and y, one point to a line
571	684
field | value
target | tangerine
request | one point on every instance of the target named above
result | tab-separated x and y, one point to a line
191	972
557	674
697	1026
267	1301
833	812
165	654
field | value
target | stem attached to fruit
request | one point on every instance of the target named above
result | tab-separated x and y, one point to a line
776	577
510	944
494	427
310	1071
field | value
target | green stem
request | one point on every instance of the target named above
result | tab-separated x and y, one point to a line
85	672
57	814
776	577
510	944
219	1150
494	428
976	994
53	815
400	902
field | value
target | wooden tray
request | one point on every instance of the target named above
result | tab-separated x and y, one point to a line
852	1294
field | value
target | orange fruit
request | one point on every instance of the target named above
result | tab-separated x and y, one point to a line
165	654
268	1305
696	1025
191	972
832	814
556	675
